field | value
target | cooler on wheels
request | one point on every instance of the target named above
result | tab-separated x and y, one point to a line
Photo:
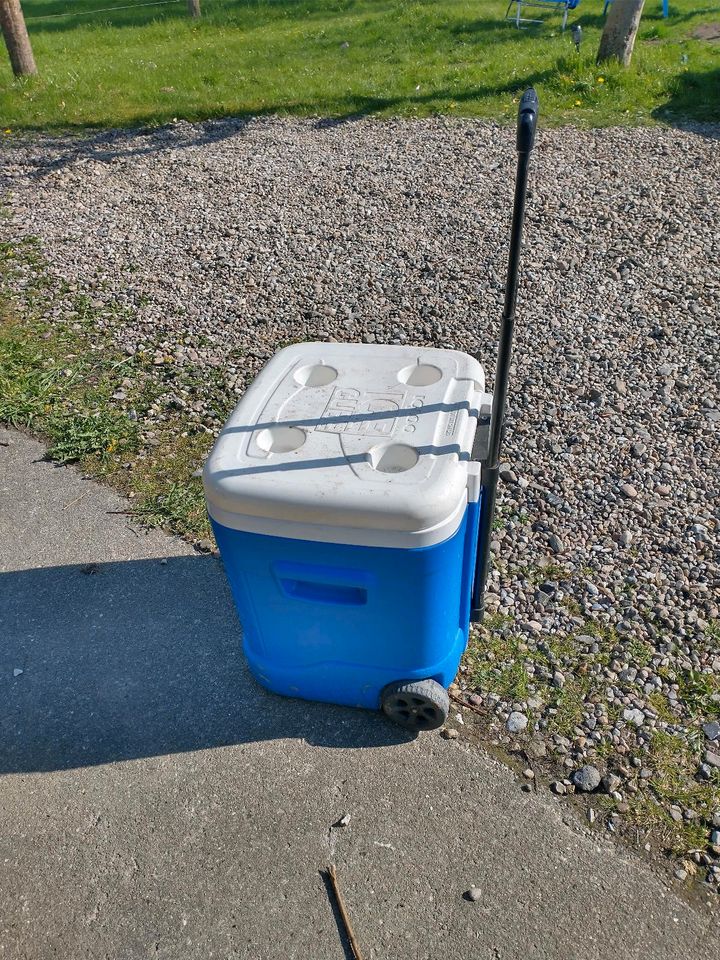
351	495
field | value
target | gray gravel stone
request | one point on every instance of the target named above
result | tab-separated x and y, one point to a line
536	749
712	730
635	716
587	778
556	544
517	722
611	782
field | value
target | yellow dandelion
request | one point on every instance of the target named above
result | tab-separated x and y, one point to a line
8	130
578	103
601	79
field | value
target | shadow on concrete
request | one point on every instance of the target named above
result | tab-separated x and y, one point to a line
139	659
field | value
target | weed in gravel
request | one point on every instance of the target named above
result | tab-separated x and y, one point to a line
535	574
661	705
64	396
494	622
64	380
639	652
102	434
166	493
568	707
700	694
27	382
679	837
179	507
673	784
508	679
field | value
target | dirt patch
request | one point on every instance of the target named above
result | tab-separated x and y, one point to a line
707	31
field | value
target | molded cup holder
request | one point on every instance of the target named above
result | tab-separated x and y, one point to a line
395	458
281	439
315	375
420	375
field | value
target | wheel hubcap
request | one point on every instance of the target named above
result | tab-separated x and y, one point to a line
412	711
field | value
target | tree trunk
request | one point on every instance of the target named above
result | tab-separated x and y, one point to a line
621	27
194	8
16	38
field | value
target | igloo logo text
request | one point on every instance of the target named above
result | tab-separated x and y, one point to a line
356	411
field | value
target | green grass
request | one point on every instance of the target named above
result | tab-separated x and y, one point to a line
47	386
341	58
58	380
498	666
177	505
496	663
674	763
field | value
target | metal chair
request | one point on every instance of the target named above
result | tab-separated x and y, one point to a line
517	17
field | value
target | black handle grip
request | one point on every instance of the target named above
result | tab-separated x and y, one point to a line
527	121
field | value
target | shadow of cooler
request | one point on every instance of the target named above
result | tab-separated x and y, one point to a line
345	505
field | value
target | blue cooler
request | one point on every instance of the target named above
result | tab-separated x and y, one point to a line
345	496
345	504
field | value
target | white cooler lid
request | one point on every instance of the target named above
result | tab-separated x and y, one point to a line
351	443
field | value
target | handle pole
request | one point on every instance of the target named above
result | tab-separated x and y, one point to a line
527	125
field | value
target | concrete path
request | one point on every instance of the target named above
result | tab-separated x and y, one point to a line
155	802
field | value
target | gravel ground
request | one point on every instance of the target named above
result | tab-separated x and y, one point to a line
226	240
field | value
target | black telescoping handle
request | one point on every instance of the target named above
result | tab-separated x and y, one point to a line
527	121
527	125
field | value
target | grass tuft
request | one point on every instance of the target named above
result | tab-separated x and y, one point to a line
674	765
180	508
102	435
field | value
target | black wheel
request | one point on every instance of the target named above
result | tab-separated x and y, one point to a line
416	704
